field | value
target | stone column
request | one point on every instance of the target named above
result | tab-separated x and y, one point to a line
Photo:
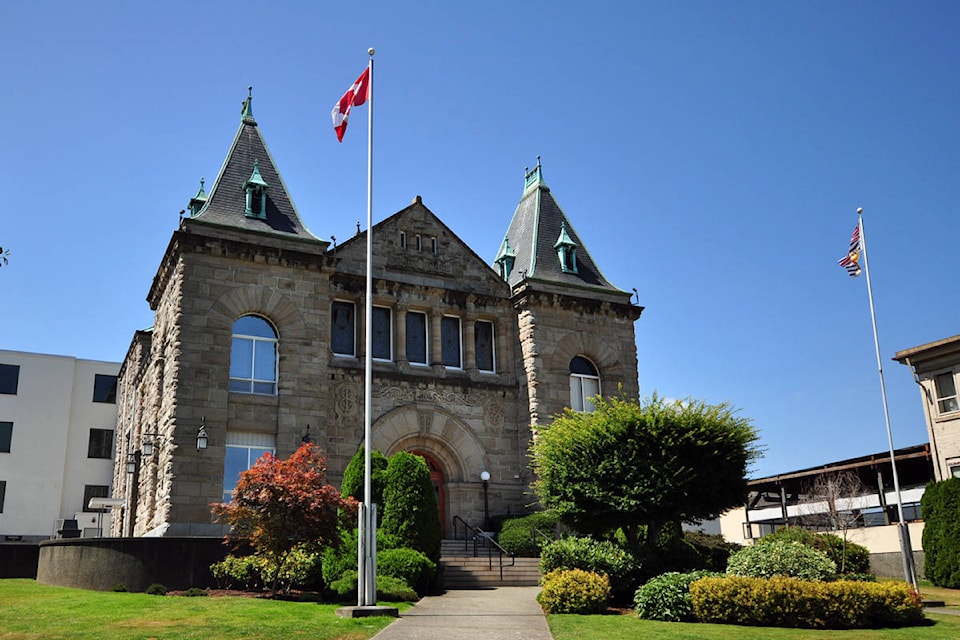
469	343
400	335
435	342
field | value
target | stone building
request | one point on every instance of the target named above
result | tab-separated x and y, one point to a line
257	344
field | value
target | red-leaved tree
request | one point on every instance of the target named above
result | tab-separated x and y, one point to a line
280	504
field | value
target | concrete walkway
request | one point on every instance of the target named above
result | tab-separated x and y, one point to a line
503	613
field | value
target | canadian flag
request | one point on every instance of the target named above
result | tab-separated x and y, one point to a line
355	96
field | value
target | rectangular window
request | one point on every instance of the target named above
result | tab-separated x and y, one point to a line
403	240
433	245
343	338
416	337
100	444
94	491
9	378
946	393
382	334
3	493
450	342
419	243
105	388
483	340
955	471
6	436
242	452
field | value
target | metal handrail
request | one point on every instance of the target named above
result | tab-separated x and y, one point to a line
482	538
534	532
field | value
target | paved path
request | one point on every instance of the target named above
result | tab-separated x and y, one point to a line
503	613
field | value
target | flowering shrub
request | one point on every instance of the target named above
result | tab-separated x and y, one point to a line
790	602
781	558
574	591
667	597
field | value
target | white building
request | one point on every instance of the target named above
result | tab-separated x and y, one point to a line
58	415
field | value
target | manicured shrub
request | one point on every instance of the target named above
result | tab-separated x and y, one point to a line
574	591
411	566
119	588
667	597
410	505
711	549
238	572
597	556
353	477
301	570
791	602
388	588
939	507
196	592
781	558
848	556
156	589
519	535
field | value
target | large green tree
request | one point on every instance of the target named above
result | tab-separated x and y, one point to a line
642	466
940	508
410	512
281	504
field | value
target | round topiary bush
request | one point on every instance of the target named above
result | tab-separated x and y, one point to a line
411	566
781	558
574	591
667	597
848	556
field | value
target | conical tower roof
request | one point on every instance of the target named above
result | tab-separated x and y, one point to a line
249	162
538	231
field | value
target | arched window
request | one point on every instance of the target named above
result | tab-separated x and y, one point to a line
253	357
584	384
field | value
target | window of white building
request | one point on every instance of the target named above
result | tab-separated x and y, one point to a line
946	388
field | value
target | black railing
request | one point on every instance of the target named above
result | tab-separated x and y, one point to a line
534	533
481	538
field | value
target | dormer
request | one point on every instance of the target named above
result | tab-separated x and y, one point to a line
505	259
197	201
566	250
256	190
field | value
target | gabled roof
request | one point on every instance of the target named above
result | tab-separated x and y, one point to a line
537	226
226	202
454	265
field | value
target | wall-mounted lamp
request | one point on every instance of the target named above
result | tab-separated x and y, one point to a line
202	434
306	437
131	463
149	440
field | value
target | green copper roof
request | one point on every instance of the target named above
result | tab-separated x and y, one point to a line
505	251
247	113
255	177
564	240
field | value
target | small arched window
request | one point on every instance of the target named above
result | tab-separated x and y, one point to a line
253	357
584	384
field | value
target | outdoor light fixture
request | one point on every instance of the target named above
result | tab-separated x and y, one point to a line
485	477
202	434
148	446
306	437
131	463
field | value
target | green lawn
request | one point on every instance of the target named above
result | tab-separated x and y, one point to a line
32	611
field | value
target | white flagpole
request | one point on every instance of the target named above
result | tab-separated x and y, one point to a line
906	549
367	580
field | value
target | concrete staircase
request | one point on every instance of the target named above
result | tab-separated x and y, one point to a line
460	570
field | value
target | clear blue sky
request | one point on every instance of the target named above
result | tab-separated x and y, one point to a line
710	154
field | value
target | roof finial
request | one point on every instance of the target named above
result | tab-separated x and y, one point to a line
247	113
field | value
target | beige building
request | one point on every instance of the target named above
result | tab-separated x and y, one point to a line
57	420
258	343
935	367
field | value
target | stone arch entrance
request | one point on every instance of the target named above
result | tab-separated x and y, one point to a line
451	448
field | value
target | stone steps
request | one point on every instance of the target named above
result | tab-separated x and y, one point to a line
460	570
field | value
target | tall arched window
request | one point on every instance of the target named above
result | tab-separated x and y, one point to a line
584	384
253	357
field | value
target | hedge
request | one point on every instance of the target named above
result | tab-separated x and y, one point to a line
939	507
574	591
791	602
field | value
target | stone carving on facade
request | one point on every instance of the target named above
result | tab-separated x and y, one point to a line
345	402
493	413
407	394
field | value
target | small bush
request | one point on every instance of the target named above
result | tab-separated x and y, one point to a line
791	602
118	588
518	535
301	570
238	572
156	589
388	588
596	556
411	566
574	591
196	592
781	558
848	556
667	597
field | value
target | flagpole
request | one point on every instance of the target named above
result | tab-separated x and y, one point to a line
367	579
906	549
